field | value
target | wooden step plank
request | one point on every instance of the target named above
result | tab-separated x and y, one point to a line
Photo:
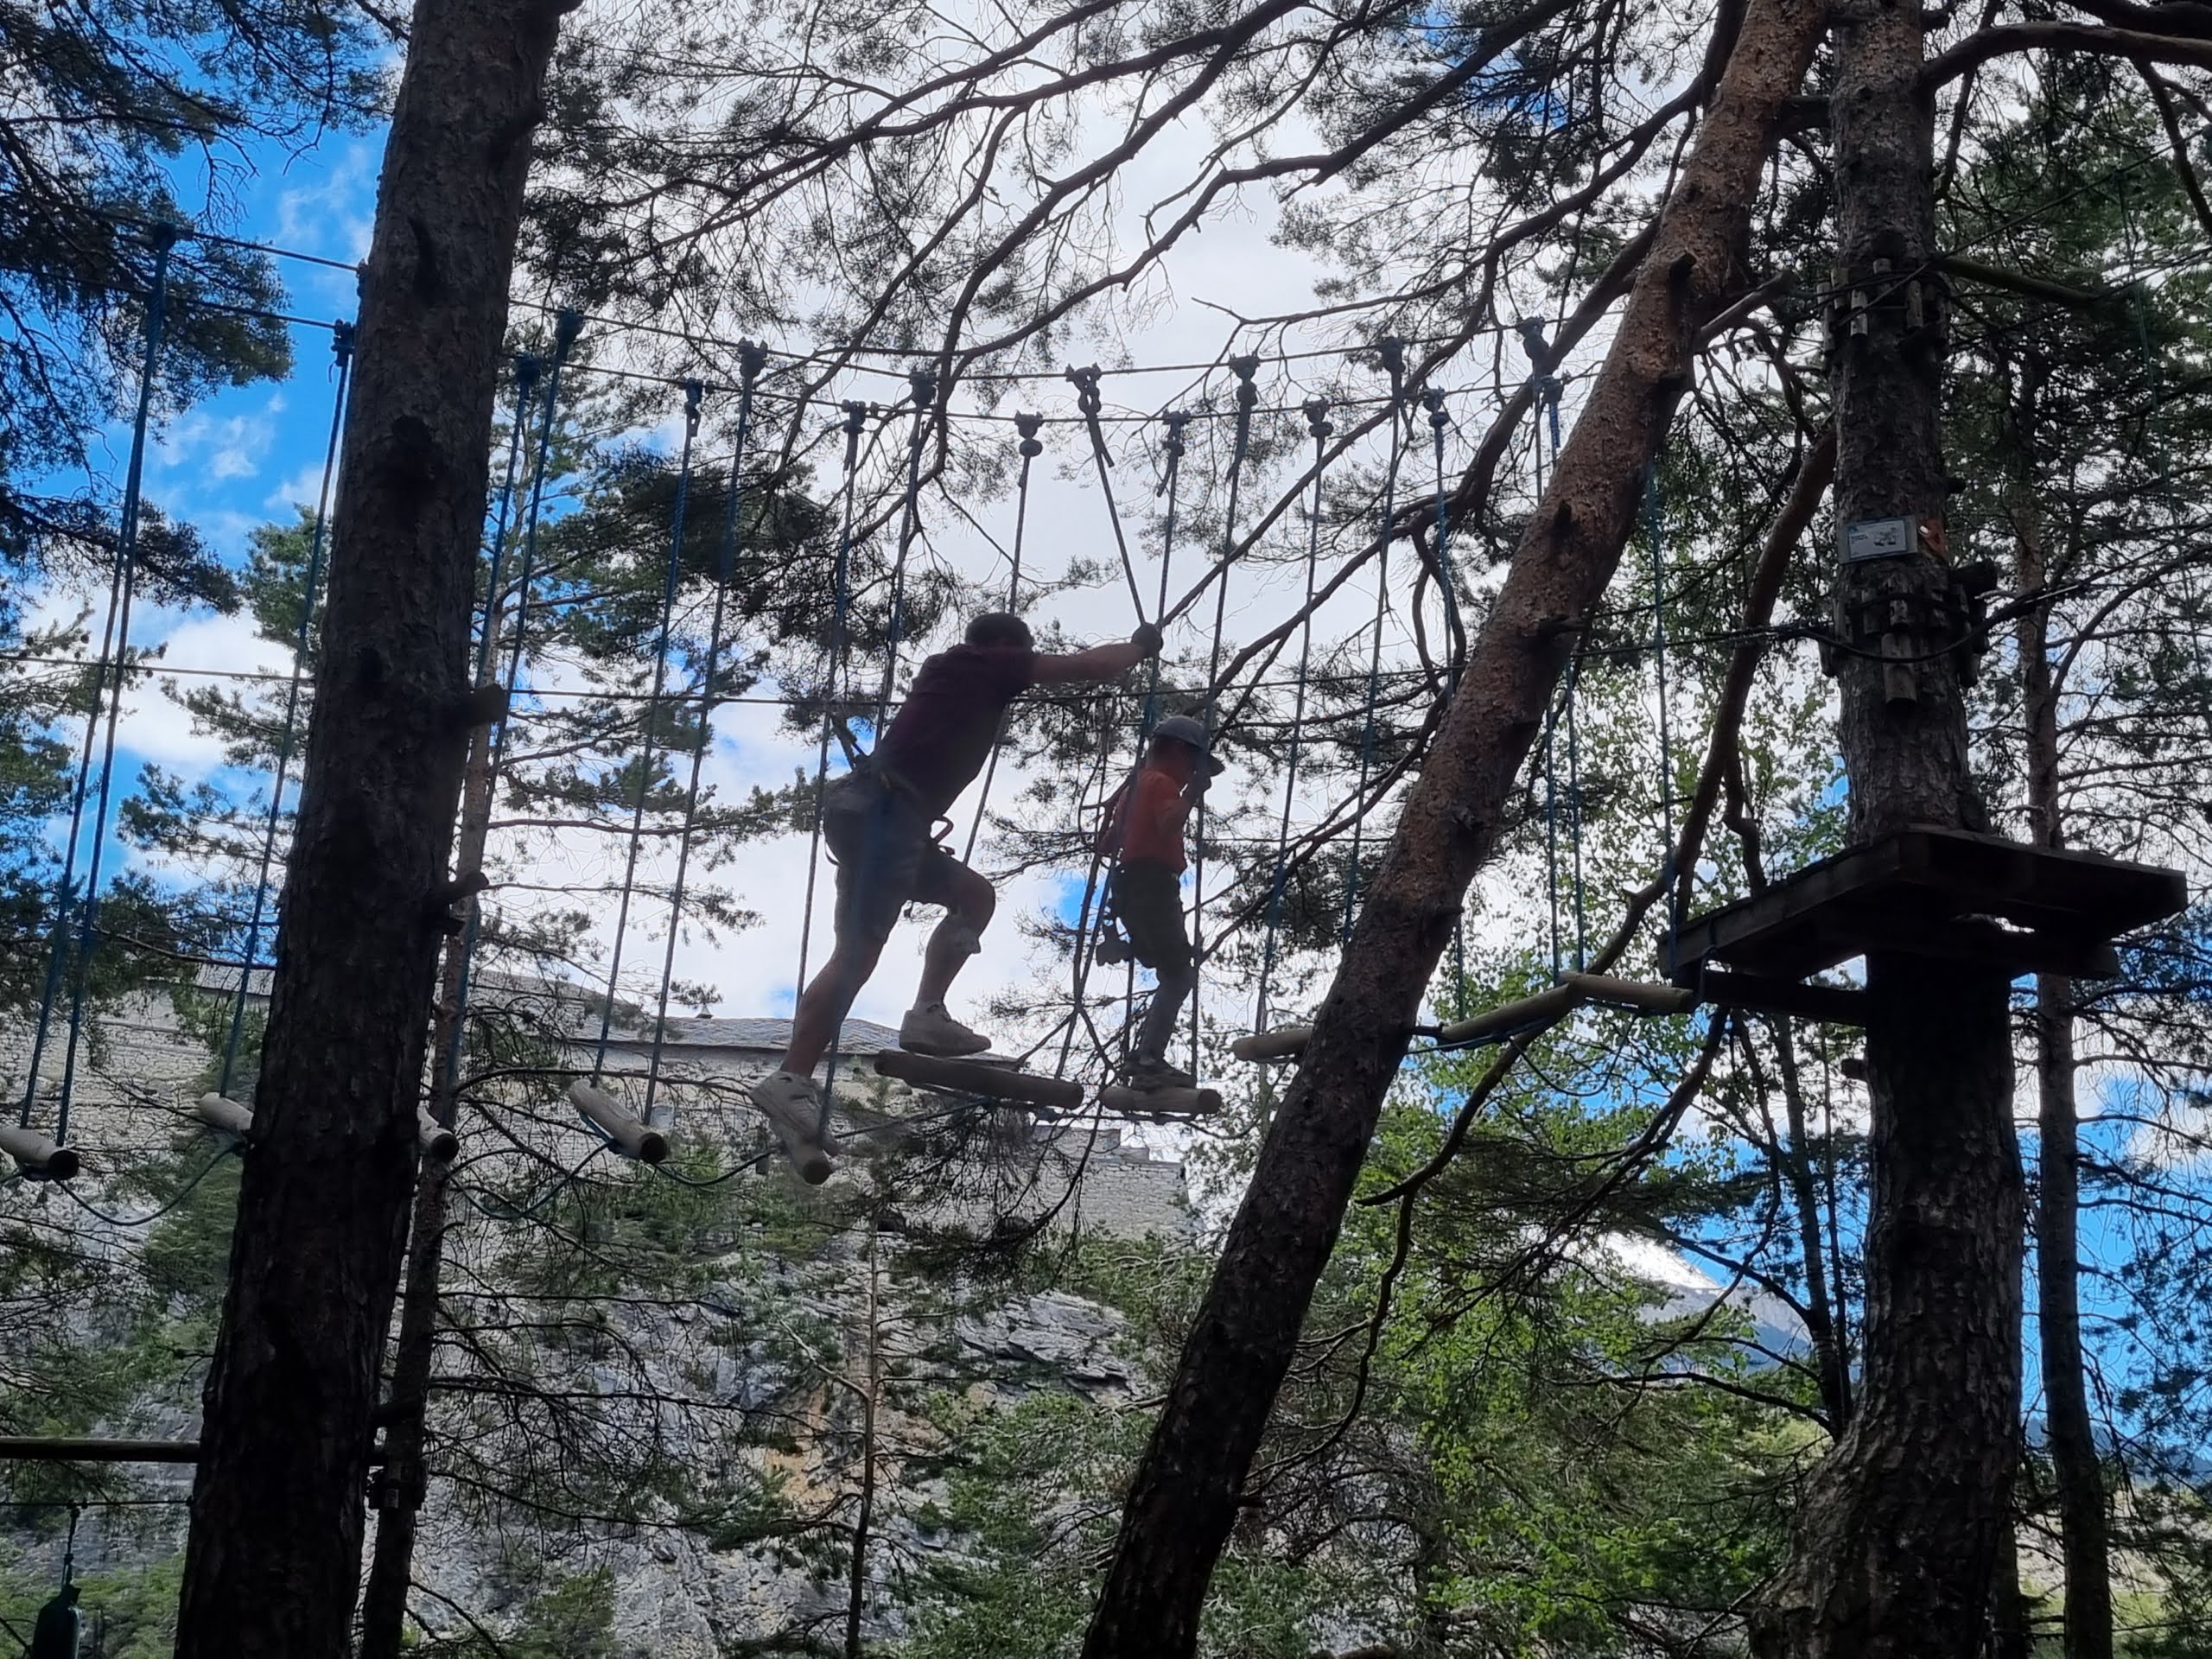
970	1076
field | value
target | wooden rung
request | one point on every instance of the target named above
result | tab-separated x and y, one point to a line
1124	1101
37	1154
440	1144
974	1077
220	1112
1636	994
1283	1043
614	1120
1544	1006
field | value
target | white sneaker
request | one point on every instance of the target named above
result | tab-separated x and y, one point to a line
932	1031
792	1106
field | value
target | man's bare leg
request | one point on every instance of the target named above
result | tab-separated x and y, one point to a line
821	1009
956	939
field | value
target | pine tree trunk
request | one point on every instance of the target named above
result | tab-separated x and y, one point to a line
1183	1496
273	1564
1896	1547
2083	1524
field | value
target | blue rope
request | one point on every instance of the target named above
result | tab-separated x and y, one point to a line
341	344
1317	422
126	553
751	359
1393	352
694	392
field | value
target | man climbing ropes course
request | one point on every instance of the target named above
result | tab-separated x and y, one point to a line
879	821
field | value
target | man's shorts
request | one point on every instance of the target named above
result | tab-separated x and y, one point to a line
886	857
1148	898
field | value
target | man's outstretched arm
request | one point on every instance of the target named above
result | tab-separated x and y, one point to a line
1100	662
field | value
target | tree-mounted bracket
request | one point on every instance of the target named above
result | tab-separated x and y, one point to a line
1918	297
1940	894
1904	629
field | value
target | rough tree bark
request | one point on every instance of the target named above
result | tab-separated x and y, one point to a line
2083	1526
274	1559
1895	1549
1183	1496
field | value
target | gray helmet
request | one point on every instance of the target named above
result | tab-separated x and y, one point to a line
1186	728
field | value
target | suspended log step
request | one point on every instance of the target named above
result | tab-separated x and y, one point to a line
1283	1043
1000	1082
613	1120
1553	1003
1289	1042
39	1157
1158	1104
440	1144
220	1112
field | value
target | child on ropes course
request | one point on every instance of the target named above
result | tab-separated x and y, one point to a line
878	822
1143	835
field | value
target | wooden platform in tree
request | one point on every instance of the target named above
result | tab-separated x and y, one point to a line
1948	895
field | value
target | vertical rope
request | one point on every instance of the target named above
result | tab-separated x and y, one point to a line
1432	400
923	381
530	373
1032	446
126	559
341	344
1247	395
694	394
751	359
1317	422
1170	486
65	896
1551	827
527	369
1087	401
1574	809
855	423
1393	352
1666	731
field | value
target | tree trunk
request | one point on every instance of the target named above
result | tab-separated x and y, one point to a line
273	1563
1183	1496
1896	1547
2072	1441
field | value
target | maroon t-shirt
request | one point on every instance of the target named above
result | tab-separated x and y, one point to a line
942	735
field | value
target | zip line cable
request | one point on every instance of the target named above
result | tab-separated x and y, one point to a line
1317	422
341	346
726	569
693	394
1393	352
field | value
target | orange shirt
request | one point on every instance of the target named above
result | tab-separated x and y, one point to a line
1152	820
